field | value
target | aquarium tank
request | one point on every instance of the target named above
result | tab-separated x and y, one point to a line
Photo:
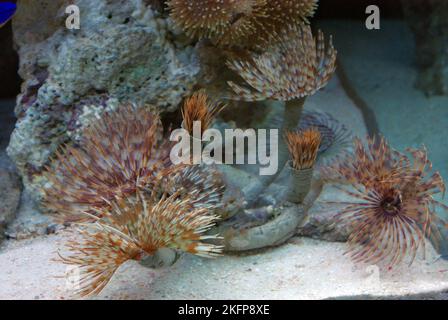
223	149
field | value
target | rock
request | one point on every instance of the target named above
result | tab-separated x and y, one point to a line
122	52
319	222
29	221
10	189
428	20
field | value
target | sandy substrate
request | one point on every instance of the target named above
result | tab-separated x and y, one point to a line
301	269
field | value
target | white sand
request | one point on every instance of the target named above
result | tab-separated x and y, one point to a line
301	269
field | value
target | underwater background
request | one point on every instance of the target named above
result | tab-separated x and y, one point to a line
56	82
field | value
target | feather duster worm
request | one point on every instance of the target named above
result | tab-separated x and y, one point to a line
295	67
199	108
394	209
303	147
119	155
134	228
279	14
213	18
242	22
290	70
202	184
336	137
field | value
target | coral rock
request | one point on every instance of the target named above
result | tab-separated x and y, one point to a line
122	52
10	190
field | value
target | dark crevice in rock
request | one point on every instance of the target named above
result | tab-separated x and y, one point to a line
9	64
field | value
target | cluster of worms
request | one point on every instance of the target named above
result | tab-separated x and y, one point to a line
128	200
126	197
